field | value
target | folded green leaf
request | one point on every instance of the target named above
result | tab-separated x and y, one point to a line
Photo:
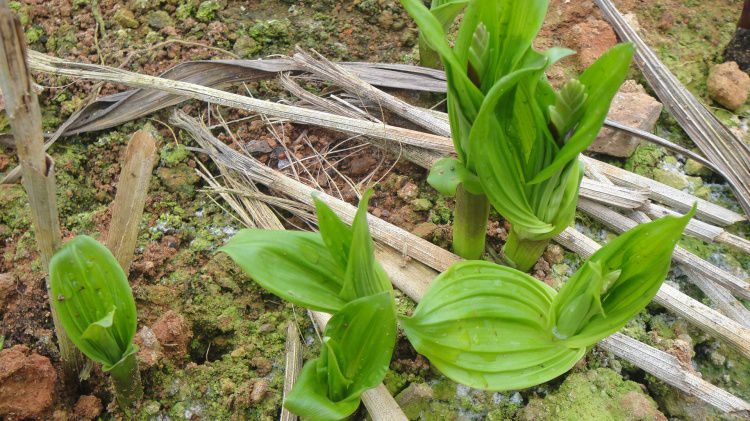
356	352
94	300
296	266
616	283
486	326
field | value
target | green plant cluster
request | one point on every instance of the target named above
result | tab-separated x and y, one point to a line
517	138
481	324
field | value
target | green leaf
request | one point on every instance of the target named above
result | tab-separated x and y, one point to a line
486	326
295	266
446	11
602	81
616	283
364	276
93	299
568	108
336	235
357	350
447	173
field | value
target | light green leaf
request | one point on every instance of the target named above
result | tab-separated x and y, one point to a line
364	276
626	274
336	235
447	173
486	326
357	350
93	298
295	266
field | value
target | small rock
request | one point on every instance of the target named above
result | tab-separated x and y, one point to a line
591	39
180	179
717	358
421	204
87	408
7	288
227	386
683	351
415	399
554	254
149	349
676	180
638	407
174	334
410	191
728	85
424	230
633	107
27	383
260	390
258	147
246	46
362	166
125	18
262	365
693	167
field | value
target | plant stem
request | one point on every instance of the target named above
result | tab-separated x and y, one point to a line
427	56
521	253
22	108
127	382
470	224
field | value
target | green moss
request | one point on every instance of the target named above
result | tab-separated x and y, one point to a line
207	11
173	154
595	394
33	34
645	159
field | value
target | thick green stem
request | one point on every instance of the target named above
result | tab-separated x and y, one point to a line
427	56
522	254
470	224
127	382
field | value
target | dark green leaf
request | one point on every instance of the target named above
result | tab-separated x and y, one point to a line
295	266
93	298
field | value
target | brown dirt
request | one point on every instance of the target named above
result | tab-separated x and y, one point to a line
87	408
173	333
27	384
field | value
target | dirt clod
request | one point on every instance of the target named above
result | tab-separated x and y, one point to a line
149	349
260	390
87	408
27	384
728	85
173	333
591	39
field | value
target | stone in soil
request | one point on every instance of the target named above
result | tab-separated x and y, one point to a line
590	39
728	85
173	333
149	348
87	408
633	107
7	288
27	384
415	399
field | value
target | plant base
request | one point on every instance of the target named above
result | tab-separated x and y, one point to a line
470	224
523	254
126	380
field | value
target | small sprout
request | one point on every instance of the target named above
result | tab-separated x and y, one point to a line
97	310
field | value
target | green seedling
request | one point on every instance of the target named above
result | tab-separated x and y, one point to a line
96	307
517	138
445	12
333	271
493	327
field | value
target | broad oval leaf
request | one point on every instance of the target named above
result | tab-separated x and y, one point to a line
486	326
295	266
94	301
355	355
447	173
617	282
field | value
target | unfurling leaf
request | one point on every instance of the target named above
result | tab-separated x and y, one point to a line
493	327
356	351
619	280
568	108
94	301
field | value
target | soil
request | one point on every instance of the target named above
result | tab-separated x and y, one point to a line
212	342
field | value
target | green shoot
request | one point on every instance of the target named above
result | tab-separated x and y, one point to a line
445	11
91	294
332	271
495	328
516	138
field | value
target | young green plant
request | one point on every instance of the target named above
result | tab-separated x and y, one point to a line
445	11
91	294
517	139
333	271
495	328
